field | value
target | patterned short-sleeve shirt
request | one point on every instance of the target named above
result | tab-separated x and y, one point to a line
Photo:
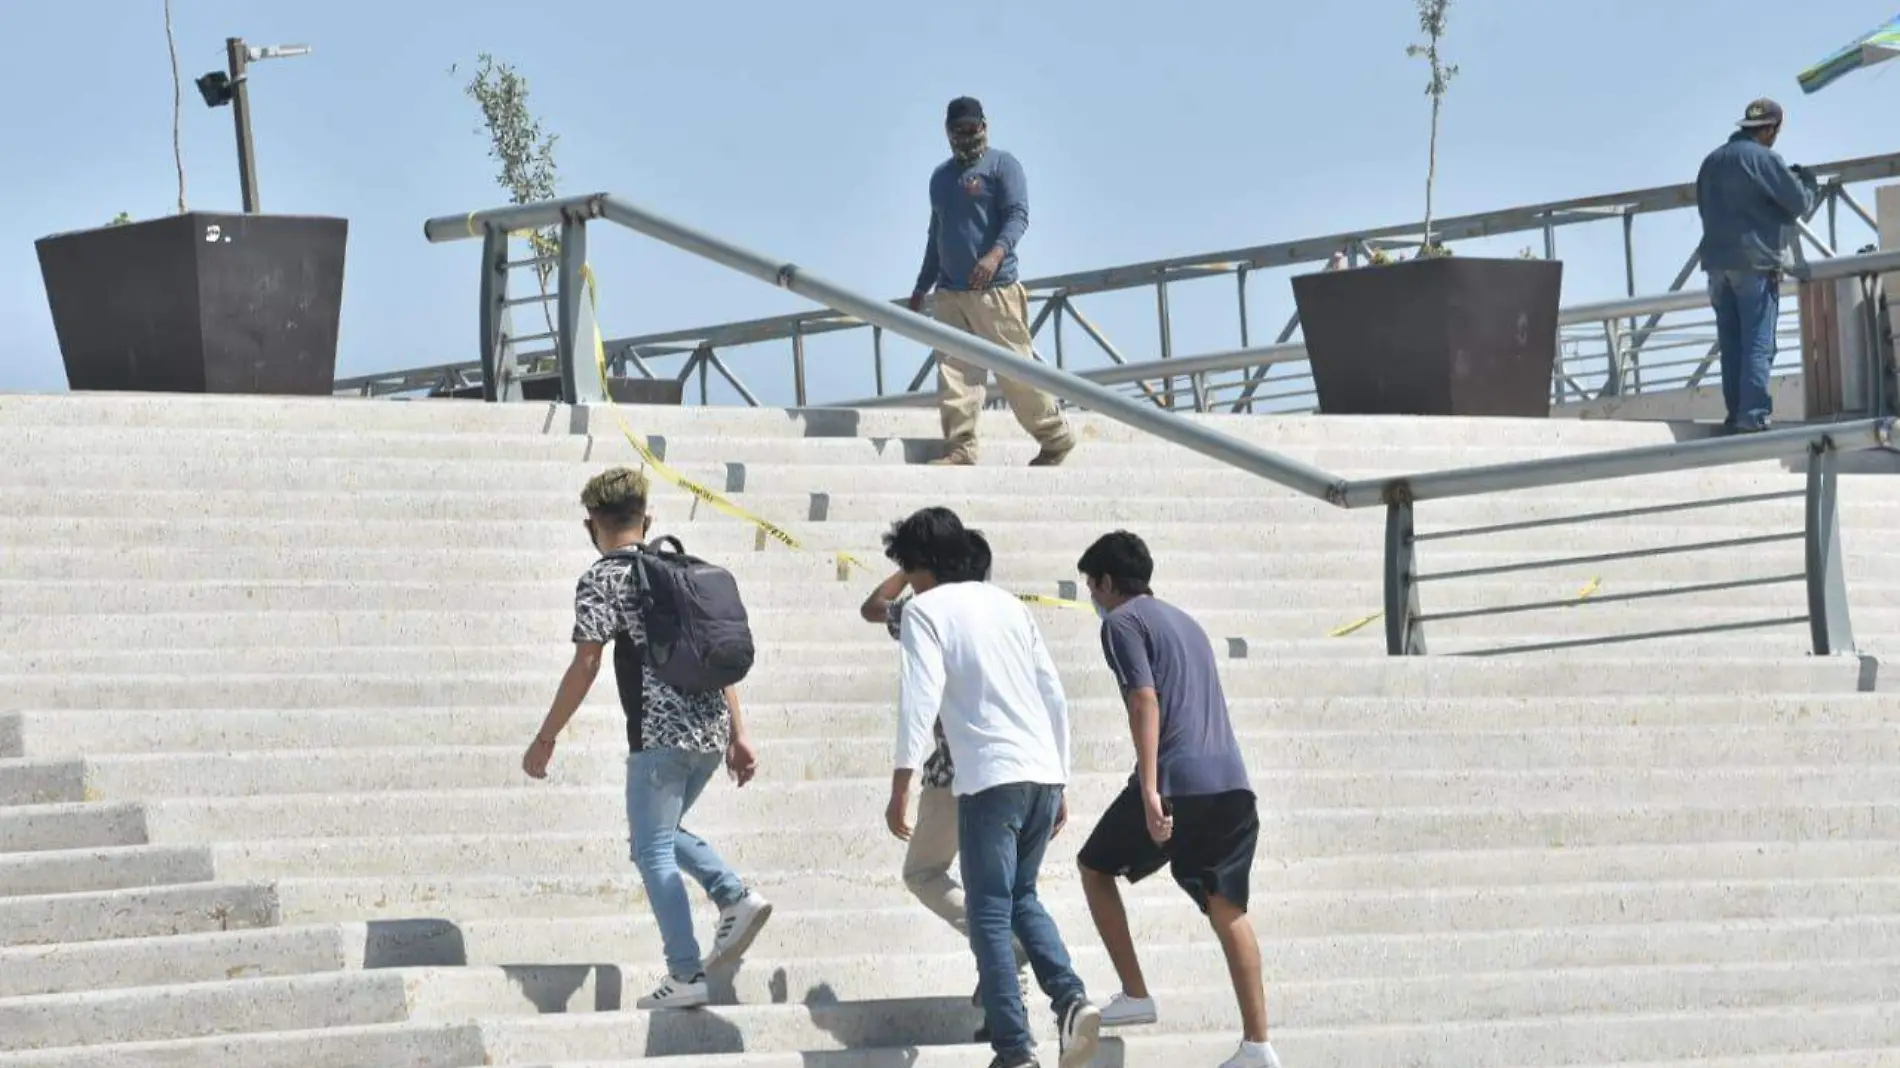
938	772
606	610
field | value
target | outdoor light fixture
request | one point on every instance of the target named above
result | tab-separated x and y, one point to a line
221	87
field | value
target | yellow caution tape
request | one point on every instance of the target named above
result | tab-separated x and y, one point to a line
845	561
1589	590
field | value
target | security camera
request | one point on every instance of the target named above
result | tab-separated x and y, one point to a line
215	87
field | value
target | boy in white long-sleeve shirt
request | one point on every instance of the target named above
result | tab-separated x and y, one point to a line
974	660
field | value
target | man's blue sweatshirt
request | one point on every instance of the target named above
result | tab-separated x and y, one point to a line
972	210
1749	200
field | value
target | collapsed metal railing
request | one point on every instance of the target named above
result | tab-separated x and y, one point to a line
1400	495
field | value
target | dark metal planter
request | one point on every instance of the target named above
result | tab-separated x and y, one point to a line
199	303
1441	336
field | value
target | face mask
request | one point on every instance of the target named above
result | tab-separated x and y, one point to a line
969	147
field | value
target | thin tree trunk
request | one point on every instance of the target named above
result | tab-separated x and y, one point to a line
1431	173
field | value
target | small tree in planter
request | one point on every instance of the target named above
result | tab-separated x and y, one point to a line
198	302
1435	334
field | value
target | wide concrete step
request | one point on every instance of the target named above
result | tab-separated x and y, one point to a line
200	463
91	869
1461	777
64	733
1384	676
212	956
1384	732
300	950
27	828
139	912
593	840
1029	568
289	1003
1601	1038
819	1024
612	887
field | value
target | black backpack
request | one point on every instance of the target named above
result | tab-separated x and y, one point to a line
698	637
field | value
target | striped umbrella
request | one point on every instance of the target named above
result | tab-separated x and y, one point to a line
1878	44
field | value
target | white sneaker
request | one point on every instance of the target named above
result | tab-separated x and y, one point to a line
1124	1011
677	994
1253	1055
739	924
1081	1033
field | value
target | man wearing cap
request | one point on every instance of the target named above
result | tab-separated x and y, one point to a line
979	209
1750	201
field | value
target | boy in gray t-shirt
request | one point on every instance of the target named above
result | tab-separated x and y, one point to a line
1188	805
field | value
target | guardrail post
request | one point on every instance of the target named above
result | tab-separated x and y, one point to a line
1404	636
574	340
499	380
1828	619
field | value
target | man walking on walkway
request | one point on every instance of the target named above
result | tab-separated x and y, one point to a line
1750	202
975	660
1188	805
979	210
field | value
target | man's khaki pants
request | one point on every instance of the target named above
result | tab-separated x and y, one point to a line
1001	315
933	849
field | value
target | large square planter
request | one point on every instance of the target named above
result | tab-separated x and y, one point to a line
199	303
1438	336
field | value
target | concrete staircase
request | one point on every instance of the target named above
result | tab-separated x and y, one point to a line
267	669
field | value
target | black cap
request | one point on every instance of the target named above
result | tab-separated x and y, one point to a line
963	109
1761	113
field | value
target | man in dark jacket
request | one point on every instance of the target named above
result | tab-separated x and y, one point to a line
1750	202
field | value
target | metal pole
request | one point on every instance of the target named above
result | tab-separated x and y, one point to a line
1828	621
1167	332
1404	635
877	357
798	363
237	59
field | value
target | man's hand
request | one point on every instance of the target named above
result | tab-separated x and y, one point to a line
1062	816
917	303
535	760
742	761
1160	824
985	270
897	815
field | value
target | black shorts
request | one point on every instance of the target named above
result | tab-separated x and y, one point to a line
1211	851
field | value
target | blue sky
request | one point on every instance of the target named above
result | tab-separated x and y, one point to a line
808	130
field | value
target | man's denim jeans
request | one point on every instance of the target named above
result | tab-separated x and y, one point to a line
662	785
1747	308
1002	834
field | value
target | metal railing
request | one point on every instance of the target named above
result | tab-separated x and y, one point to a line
1164	293
1400	495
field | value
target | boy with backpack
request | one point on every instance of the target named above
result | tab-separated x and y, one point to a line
681	641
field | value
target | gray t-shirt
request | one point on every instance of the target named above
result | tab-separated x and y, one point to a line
1151	644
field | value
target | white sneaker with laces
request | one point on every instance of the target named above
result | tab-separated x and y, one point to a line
739	924
1125	1011
677	994
1253	1055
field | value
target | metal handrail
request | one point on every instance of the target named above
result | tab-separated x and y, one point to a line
1285	471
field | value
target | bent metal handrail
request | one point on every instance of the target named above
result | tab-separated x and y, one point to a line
1293	474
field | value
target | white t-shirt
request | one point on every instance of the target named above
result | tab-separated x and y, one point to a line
974	659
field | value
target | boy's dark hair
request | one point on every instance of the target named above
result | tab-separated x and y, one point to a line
934	540
1123	559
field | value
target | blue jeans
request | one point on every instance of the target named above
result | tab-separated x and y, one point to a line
662	785
1747	307
1002	833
